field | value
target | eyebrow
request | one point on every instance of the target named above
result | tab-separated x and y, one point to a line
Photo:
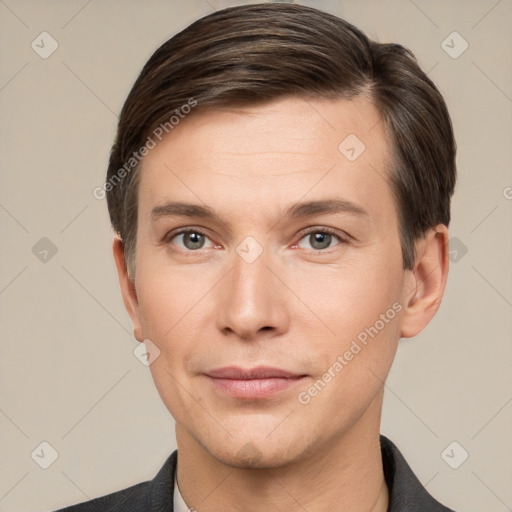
296	211
312	208
182	209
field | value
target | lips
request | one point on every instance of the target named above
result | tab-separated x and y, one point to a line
260	372
253	383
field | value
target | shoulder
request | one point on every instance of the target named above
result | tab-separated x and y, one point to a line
406	493
154	495
131	499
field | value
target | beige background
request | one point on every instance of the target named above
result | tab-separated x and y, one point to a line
67	372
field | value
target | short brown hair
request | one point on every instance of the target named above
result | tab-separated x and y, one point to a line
252	54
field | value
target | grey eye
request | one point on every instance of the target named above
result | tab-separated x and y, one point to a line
320	240
192	240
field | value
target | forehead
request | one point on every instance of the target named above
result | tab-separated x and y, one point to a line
269	155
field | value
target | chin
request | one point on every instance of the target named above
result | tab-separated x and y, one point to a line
252	448
255	455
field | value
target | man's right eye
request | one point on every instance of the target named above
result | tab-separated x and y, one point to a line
189	240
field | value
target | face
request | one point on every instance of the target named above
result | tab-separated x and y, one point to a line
269	276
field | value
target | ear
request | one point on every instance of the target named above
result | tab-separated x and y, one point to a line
128	290
426	281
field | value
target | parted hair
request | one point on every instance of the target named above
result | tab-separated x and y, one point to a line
252	54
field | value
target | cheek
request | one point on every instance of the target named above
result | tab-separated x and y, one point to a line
168	295
351	297
170	308
363	310
360	303
177	313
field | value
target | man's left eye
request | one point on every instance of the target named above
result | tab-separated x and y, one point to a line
319	240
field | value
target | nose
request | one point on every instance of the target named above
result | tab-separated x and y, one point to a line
253	302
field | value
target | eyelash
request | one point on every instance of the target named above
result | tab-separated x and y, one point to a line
173	234
324	230
341	239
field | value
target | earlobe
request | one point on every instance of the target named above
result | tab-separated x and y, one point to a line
128	290
427	281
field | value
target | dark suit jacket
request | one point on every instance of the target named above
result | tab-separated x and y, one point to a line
406	494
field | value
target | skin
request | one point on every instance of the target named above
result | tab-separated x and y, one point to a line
296	307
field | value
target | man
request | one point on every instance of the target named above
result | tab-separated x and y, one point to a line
280	188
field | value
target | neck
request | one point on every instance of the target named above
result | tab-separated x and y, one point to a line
346	476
